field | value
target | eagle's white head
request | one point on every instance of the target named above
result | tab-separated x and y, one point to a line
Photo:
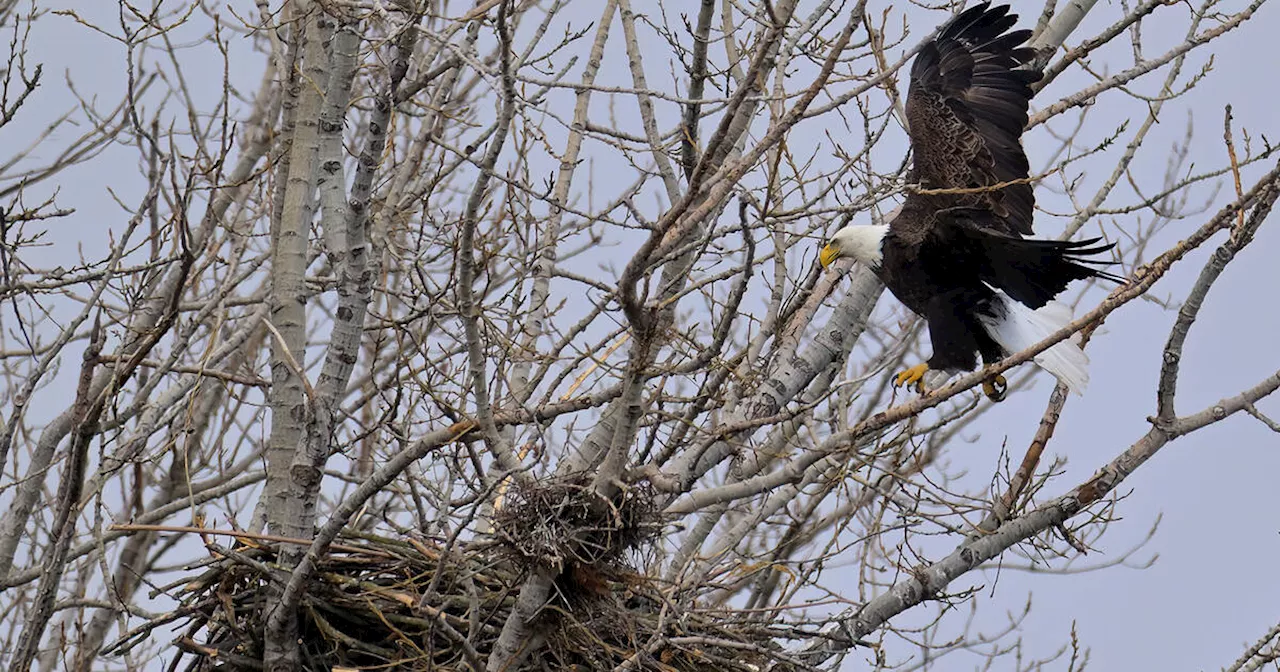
862	242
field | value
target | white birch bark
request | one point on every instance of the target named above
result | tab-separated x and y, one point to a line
285	492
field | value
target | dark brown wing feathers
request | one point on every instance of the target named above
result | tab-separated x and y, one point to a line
967	107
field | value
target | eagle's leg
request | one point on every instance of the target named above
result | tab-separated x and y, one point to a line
912	376
995	388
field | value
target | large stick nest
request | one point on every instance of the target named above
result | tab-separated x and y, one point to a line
380	603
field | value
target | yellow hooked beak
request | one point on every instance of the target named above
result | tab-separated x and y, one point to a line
828	254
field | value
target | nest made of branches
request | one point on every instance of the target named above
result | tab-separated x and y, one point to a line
564	523
382	603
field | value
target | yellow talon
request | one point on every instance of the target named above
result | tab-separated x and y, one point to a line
995	388
912	376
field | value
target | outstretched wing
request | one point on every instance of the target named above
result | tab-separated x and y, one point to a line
967	106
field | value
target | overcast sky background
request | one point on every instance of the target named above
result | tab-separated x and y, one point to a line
1213	588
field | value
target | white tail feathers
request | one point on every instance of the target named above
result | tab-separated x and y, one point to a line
1015	327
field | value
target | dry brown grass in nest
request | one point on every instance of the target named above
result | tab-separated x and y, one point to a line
564	523
381	604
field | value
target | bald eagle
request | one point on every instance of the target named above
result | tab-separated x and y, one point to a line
955	252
